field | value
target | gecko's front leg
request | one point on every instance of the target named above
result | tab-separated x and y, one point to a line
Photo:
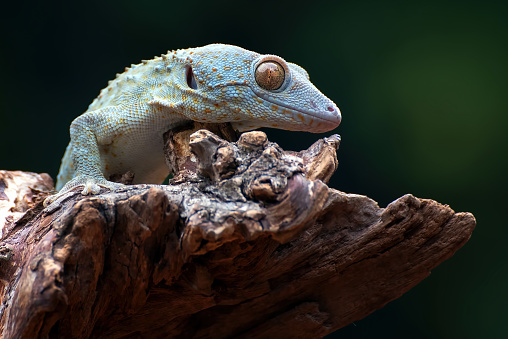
87	132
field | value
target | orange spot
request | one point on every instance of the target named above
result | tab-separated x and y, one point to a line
207	110
301	117
216	105
113	154
107	167
275	125
274	107
227	68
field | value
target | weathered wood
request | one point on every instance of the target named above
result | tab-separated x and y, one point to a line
247	241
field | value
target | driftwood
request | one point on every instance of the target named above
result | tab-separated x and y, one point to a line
247	241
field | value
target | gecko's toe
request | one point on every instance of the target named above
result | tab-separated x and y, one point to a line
90	188
54	202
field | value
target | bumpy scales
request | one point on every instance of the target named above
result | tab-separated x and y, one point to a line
122	129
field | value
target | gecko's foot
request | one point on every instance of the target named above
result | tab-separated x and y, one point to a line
91	186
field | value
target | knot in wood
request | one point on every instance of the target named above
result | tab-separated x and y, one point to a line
253	141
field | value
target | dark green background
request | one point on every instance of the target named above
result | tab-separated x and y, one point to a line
422	86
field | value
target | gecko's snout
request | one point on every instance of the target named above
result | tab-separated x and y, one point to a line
334	116
329	118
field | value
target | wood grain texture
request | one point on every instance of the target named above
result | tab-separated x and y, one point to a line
248	242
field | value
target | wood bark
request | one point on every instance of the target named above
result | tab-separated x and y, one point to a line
247	241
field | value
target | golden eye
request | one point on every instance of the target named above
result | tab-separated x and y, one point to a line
269	75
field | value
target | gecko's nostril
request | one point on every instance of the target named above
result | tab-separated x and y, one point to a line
331	108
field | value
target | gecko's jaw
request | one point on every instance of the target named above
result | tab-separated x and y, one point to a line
321	125
322	120
317	121
315	117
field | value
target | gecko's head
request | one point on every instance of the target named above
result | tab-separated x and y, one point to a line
253	90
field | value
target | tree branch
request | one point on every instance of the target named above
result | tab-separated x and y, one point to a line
247	241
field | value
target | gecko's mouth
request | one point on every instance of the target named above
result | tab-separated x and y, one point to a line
331	116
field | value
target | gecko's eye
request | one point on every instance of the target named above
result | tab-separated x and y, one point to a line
269	75
191	78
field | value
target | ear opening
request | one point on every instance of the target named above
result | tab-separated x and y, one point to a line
191	78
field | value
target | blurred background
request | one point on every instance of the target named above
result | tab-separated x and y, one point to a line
422	86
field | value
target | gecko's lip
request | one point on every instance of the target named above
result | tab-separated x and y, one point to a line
331	116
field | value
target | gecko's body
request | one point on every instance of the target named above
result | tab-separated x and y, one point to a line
122	129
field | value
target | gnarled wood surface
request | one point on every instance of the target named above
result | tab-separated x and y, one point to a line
247	241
